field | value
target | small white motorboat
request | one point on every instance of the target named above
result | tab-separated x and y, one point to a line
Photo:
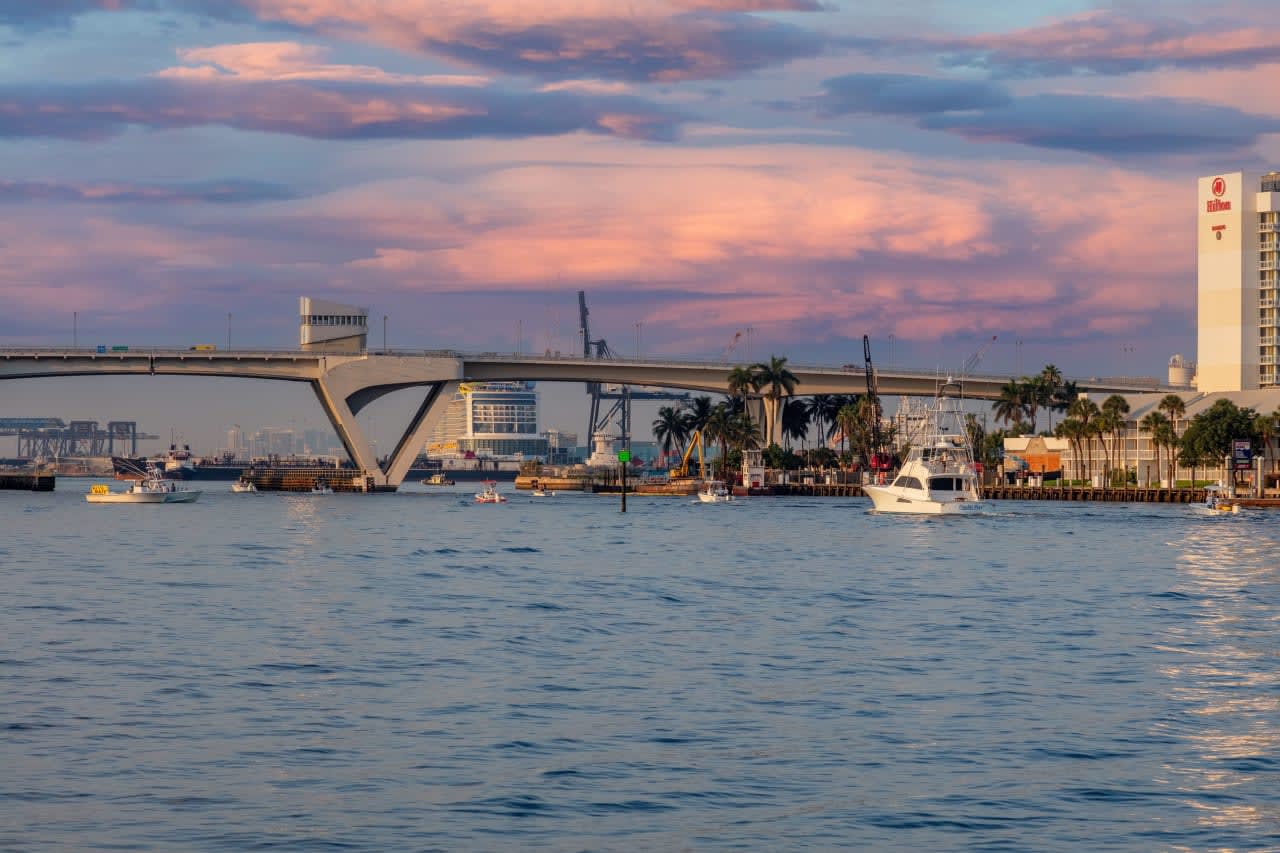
538	491
715	492
243	485
152	490
321	487
489	494
1215	503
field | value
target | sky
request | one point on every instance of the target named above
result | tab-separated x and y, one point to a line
928	173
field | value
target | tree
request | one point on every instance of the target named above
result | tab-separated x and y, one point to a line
795	421
1153	423
776	380
848	421
1214	430
670	428
1085	412
741	382
697	412
1267	428
1045	388
1010	406
1073	431
1114	409
1166	436
822	411
1174	408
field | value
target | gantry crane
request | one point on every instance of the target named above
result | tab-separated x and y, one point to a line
621	397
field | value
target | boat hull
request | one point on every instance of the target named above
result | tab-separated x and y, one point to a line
180	497
892	499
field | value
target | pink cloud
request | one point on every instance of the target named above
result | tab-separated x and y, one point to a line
647	40
284	61
1107	41
811	244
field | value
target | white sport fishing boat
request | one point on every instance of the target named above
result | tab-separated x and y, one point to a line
155	489
938	476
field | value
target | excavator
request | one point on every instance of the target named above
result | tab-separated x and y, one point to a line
695	440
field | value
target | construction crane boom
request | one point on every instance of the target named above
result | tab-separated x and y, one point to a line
973	360
733	344
879	460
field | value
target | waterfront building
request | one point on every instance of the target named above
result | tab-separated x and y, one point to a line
489	419
1237	236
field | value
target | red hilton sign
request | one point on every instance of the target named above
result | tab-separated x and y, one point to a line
1216	204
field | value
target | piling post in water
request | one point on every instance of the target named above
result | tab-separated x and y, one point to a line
624	458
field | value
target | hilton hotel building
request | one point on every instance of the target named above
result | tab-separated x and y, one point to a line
1237	236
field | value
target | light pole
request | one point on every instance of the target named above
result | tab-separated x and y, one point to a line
75	329
384	333
638	325
890	361
228	330
749	331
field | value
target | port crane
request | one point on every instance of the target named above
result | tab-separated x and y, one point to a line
620	395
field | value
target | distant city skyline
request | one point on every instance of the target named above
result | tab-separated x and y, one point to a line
790	173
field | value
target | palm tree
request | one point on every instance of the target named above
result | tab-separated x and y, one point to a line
1266	426
696	413
1154	422
670	428
847	423
1084	411
1065	394
1168	438
1045	388
822	411
1114	408
741	386
1173	406
1073	431
1009	408
776	380
795	421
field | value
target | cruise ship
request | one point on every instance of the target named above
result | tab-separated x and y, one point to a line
488	427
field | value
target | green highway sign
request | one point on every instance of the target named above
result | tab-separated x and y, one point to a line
624	455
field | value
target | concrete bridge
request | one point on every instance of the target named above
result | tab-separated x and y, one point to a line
345	383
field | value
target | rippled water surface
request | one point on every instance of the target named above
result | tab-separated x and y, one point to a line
415	672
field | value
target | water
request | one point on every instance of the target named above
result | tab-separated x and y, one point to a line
413	672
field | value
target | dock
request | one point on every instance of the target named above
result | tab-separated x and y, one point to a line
27	481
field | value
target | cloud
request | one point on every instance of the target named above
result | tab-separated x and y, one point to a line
809	244
212	192
50	14
1114	127
906	94
323	110
288	61
1110	42
1092	124
651	40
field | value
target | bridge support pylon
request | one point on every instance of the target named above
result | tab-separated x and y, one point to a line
346	388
